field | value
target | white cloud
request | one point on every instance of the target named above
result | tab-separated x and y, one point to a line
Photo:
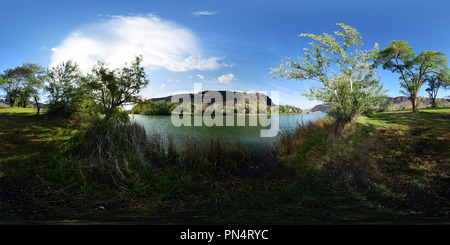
201	77
163	44
227	78
199	13
162	86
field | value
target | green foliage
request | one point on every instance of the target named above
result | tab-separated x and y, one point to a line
413	69
436	82
10	84
437	103
66	91
149	107
387	107
113	88
23	82
162	107
287	109
351	90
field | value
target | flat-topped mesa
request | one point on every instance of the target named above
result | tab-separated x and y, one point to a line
225	94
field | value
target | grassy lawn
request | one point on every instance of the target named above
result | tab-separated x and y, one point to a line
390	167
426	117
26	138
402	160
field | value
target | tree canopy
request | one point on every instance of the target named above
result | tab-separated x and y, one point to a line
64	89
113	88
346	73
413	69
23	82
435	82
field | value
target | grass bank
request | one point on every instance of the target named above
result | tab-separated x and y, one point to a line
391	167
397	161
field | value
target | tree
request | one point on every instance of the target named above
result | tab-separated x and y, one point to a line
64	89
35	77
148	107
113	88
11	81
441	80
22	83
399	57
352	88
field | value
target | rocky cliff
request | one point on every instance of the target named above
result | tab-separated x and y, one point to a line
233	95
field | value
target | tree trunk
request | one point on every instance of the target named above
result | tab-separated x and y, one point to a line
433	102
414	103
37	105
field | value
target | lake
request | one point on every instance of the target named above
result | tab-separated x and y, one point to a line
247	135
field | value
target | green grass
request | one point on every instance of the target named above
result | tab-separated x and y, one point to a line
393	163
387	168
27	142
398	159
27	139
426	117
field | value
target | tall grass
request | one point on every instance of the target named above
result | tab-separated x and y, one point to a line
294	148
125	155
213	156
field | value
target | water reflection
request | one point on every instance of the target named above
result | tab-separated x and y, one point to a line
246	134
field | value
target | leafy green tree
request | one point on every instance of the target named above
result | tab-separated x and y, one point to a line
23	82
35	77
113	88
435	82
64	89
11	80
346	73
149	107
413	69
288	109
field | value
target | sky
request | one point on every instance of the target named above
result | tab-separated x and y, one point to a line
222	45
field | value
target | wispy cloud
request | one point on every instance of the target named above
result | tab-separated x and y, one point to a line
163	44
200	13
227	78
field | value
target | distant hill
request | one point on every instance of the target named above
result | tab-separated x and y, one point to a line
400	101
404	101
238	95
318	108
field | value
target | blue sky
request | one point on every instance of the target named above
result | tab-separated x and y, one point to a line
221	44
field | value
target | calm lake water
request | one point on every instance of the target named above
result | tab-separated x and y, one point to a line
248	135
